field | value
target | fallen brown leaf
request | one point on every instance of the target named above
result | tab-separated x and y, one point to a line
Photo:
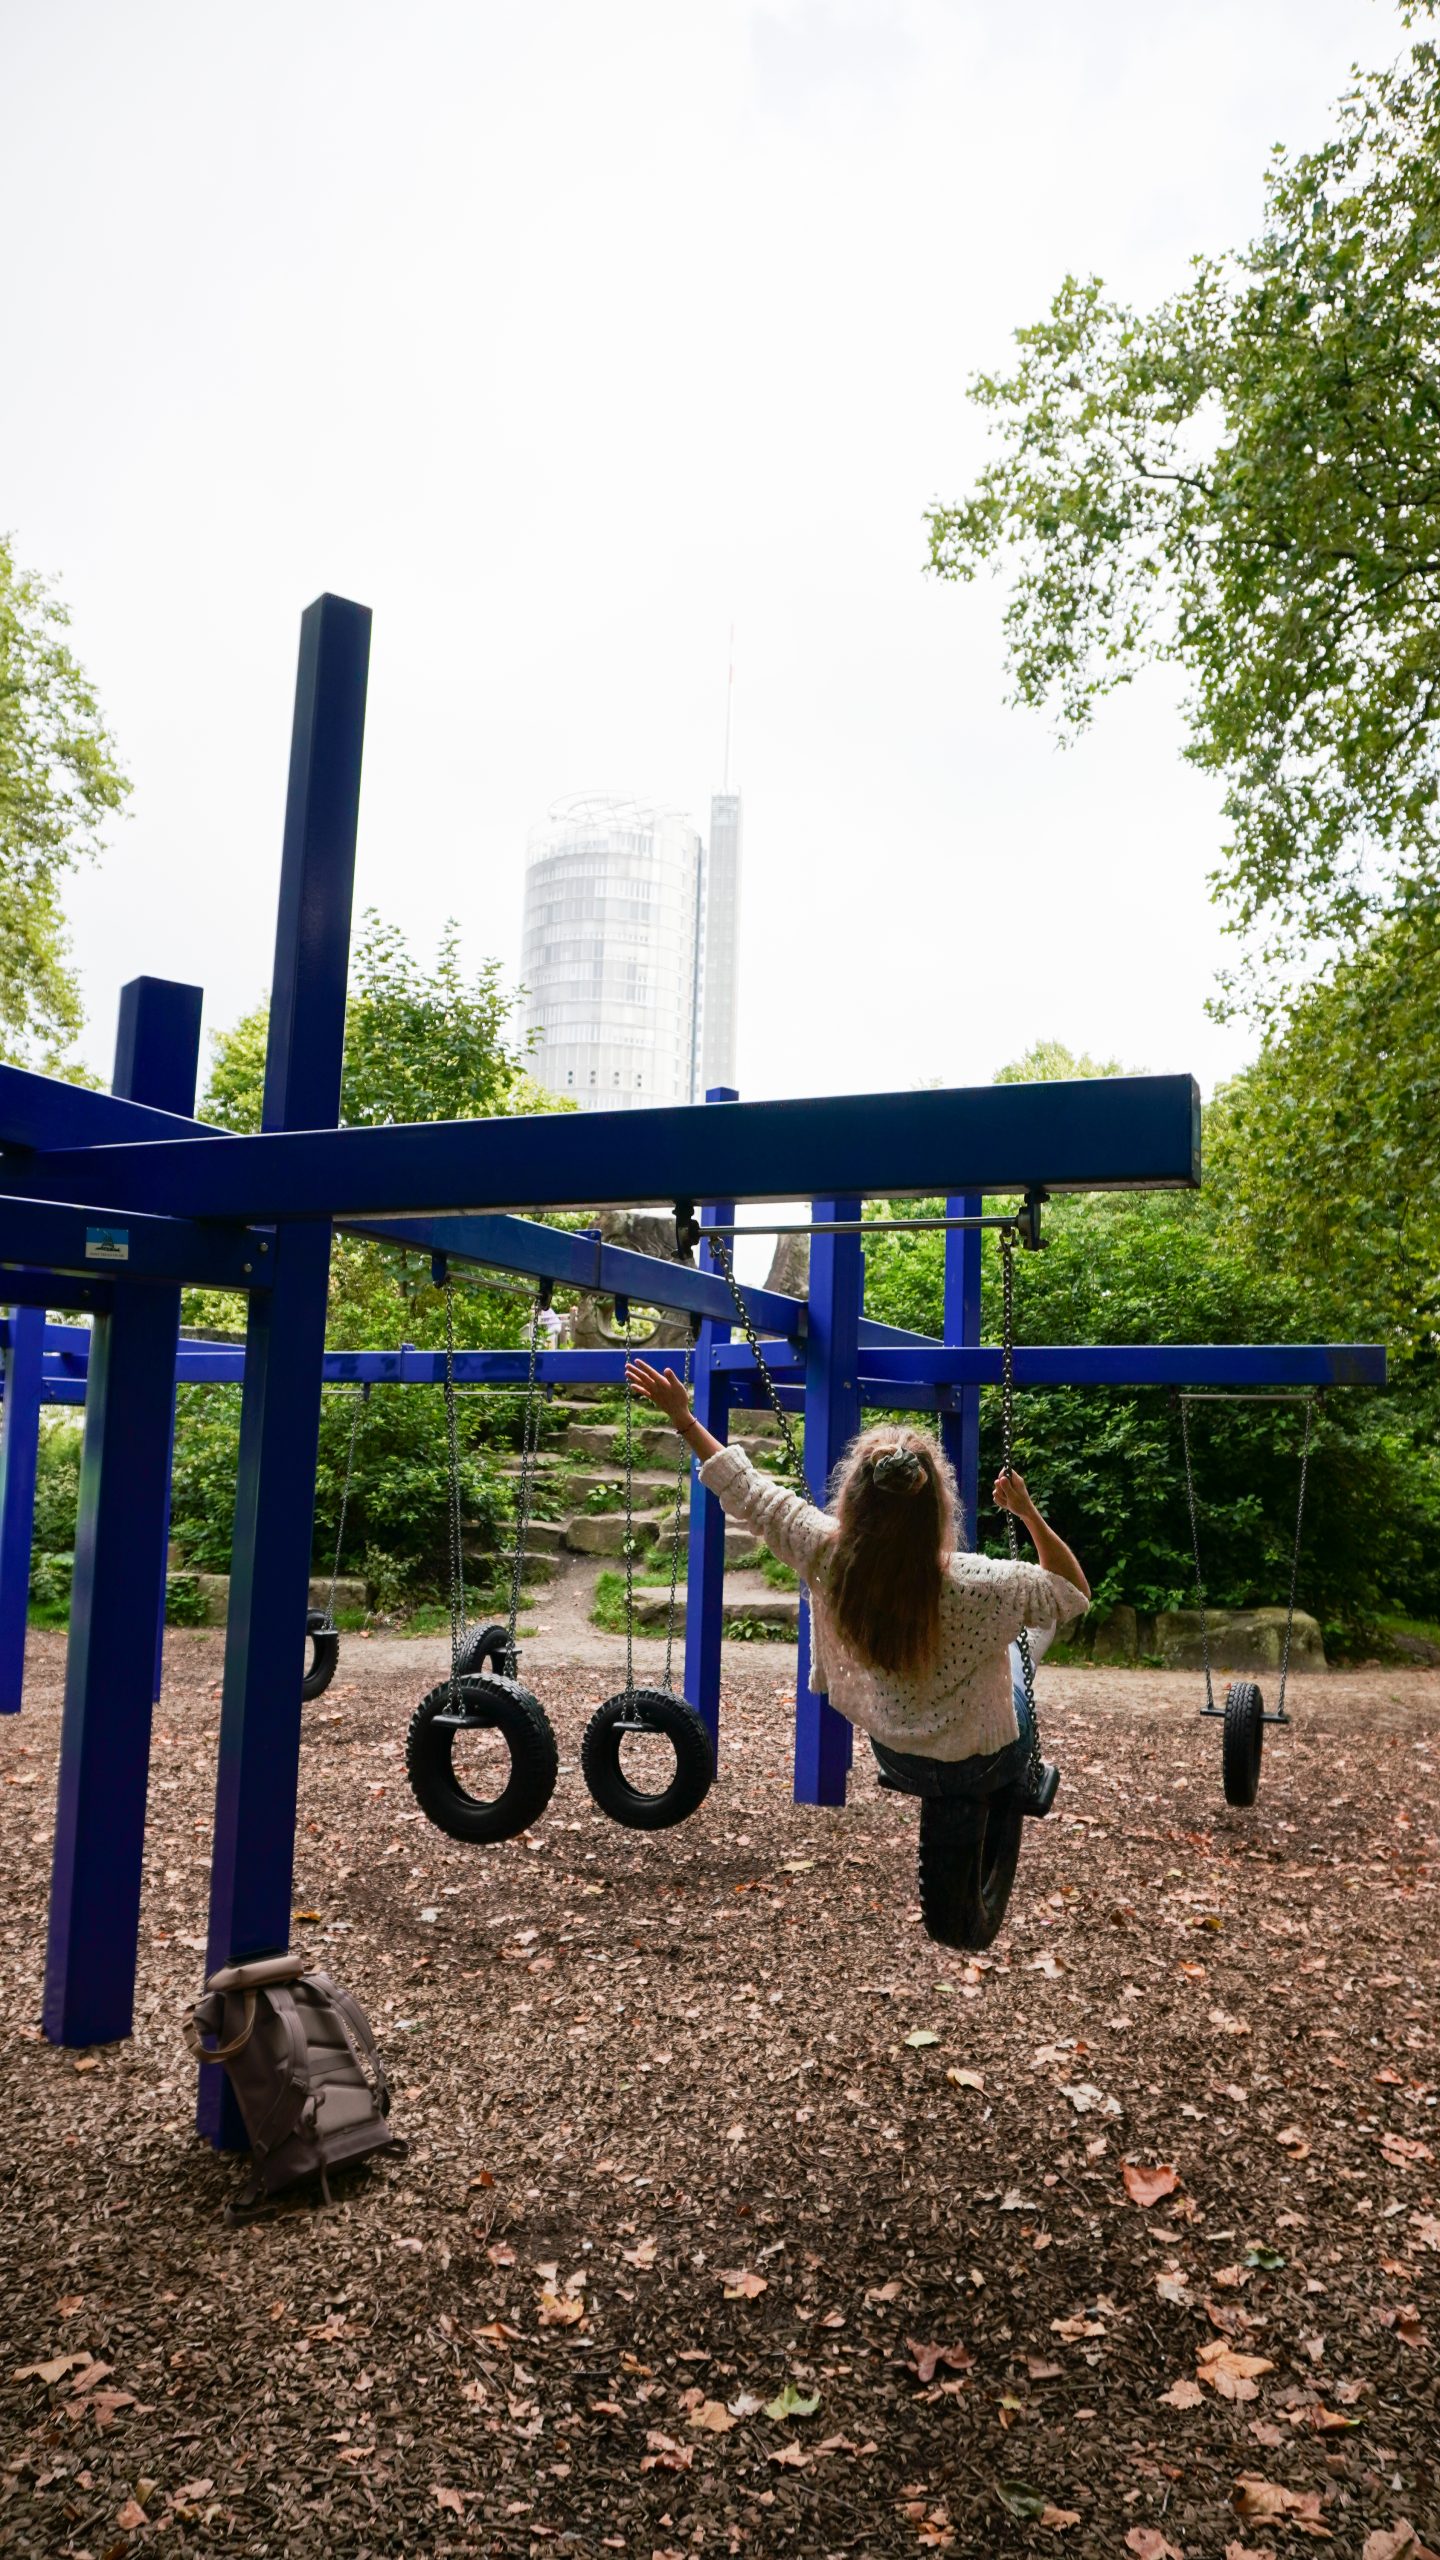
926	2358
1146	2186
740	2285
1183	2394
1148	2543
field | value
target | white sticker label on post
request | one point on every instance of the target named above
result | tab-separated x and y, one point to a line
107	1244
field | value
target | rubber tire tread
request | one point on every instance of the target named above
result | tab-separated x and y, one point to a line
634	1807
534	1761
1242	1742
965	1874
488	1648
325	1656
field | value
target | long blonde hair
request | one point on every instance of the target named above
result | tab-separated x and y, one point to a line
899	1513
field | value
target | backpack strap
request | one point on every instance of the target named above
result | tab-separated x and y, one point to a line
206	2019
359	2035
295	2091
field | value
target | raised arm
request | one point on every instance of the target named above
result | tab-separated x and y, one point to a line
671	1397
1054	1556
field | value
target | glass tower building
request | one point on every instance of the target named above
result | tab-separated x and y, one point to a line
627	931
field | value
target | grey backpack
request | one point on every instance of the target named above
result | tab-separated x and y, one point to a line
300	2056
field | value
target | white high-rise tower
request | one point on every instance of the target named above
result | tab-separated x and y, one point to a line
610	953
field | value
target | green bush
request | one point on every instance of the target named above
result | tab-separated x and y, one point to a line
399	1496
50	1581
1106	1464
57	1481
185	1604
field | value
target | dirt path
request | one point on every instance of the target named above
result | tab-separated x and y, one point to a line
559	1615
739	2219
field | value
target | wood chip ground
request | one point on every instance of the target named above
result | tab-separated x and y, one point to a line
714	2157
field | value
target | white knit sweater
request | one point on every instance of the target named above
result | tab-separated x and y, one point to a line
964	1704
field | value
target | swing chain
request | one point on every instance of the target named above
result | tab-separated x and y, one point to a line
456	1558
1034	1764
1295	1558
360	1400
529	1450
682	1479
1199	1576
629	1526
720	1253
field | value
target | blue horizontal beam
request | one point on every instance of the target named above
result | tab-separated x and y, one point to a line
1100	1133
1119	1364
584	1262
28	1288
41	1112
86	1241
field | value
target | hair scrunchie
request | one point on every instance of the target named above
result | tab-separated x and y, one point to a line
897	1471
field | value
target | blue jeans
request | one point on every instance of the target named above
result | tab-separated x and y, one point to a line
983	1774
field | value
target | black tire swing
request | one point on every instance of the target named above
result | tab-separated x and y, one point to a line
483	1692
1244	1713
970	1845
658	1712
321	1633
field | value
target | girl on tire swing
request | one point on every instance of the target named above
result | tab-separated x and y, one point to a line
913	1637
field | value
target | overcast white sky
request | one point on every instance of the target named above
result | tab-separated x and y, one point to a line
565	335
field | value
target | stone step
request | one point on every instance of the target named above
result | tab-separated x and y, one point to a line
606	1441
774	1609
214	1590
742	1547
648	1481
602	1533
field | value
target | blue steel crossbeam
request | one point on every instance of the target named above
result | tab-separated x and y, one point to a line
1111	1133
44	1234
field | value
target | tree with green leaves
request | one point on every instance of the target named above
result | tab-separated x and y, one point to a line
1245	481
60	781
421	1043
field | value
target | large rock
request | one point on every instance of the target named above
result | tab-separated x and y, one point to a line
602	1533
214	1590
776	1609
1113	1637
1251	1640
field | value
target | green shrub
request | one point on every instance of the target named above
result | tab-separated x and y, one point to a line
57	1482
185	1604
50	1580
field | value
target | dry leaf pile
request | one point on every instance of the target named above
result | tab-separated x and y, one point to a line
739	2219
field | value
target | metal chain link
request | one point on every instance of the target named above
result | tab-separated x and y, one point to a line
525	1489
720	1253
1195	1545
456	1558
682	1479
361	1399
629	1526
1034	1763
1295	1558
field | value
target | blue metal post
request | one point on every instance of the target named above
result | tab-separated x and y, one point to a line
118	1587
19	1456
258	1776
832	1417
164	1563
960	1432
705	1570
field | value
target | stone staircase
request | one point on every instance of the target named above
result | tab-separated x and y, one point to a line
579	1520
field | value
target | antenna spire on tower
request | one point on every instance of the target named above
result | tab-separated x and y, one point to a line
729	699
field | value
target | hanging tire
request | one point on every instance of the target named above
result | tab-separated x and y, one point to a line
324	1643
486	1703
1243	1741
488	1648
655	1711
969	1850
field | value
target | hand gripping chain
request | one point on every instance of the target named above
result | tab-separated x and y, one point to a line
1033	1767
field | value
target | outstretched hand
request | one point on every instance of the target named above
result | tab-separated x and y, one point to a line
669	1393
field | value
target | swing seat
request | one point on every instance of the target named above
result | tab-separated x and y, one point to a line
656	1711
1242	1741
968	1852
323	1639
477	1702
488	1648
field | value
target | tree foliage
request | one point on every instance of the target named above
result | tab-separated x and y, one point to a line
59	782
1246	481
420	1044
